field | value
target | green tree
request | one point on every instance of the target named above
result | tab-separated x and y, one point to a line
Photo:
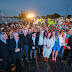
69	16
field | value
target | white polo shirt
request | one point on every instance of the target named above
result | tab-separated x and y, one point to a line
41	40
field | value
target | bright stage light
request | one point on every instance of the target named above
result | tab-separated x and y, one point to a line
30	15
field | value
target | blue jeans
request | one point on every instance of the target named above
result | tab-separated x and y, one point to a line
31	52
26	48
62	51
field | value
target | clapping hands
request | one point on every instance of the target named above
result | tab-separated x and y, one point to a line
17	49
33	47
1	59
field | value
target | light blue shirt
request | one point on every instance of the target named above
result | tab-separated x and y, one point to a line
41	40
68	36
33	38
17	42
3	41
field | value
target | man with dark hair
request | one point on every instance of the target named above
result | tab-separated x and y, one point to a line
20	32
33	45
10	35
69	46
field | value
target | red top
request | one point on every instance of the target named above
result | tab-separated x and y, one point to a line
66	41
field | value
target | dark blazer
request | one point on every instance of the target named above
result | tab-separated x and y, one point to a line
9	37
13	44
70	42
29	35
4	50
37	34
31	44
8	40
25	40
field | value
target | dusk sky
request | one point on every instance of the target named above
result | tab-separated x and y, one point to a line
38	7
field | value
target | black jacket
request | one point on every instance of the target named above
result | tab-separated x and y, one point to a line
8	40
25	40
31	44
4	50
29	35
70	42
13	44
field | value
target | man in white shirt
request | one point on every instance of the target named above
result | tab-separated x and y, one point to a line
40	42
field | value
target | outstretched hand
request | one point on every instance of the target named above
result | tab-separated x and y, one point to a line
1	59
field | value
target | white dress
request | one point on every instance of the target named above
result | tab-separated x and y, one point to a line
49	43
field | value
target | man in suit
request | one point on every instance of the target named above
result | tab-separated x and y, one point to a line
20	32
25	42
9	38
10	35
33	45
30	33
16	47
69	46
4	51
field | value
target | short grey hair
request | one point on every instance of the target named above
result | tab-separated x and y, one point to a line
16	32
25	29
2	34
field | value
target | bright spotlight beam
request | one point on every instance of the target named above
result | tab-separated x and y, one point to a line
30	15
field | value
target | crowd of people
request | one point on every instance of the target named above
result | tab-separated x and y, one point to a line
47	42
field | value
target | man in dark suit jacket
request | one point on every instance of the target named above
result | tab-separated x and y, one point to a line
20	32
69	52
25	42
4	51
9	38
16	47
10	35
33	43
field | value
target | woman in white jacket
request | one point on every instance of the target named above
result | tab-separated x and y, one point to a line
48	45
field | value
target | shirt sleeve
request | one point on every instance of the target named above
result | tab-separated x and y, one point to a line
45	41
60	41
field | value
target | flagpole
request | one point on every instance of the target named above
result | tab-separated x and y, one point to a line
0	14
5	18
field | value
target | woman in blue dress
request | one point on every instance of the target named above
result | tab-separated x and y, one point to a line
56	48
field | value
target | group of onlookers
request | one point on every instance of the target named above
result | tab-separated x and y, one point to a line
14	43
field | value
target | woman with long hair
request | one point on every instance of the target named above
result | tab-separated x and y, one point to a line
48	45
56	47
